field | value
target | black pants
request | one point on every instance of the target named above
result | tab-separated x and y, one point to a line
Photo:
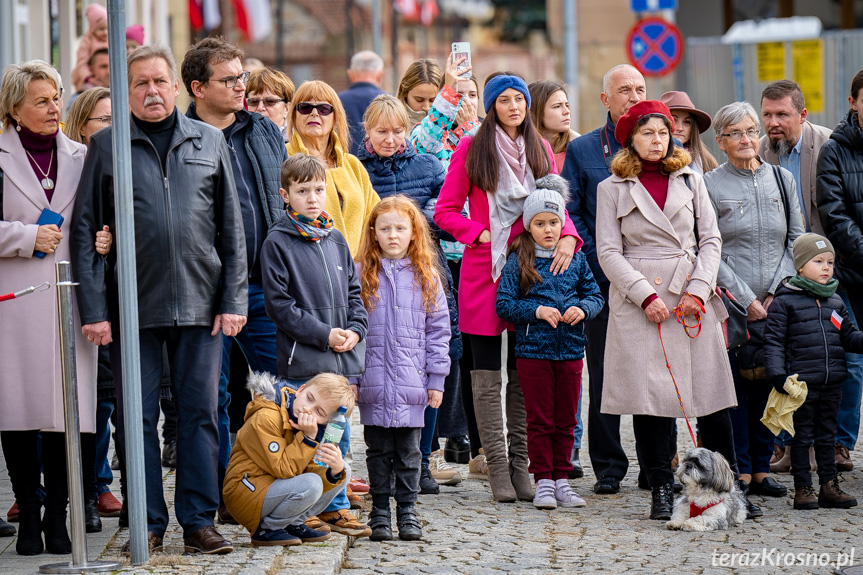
655	452
21	450
815	422
486	351
603	430
393	451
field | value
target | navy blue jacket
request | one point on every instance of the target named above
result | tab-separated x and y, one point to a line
535	338
355	100
584	168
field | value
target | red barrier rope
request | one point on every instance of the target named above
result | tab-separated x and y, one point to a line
678	312
25	291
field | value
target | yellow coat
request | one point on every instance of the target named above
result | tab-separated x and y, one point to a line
267	448
349	181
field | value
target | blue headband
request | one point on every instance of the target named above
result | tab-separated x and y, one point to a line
498	85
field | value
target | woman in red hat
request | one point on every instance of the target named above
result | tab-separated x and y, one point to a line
646	219
689	124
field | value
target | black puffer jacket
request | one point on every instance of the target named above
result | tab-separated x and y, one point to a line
801	338
839	191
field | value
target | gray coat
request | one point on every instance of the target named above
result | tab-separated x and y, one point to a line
756	240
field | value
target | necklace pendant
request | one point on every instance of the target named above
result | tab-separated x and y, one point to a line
47	183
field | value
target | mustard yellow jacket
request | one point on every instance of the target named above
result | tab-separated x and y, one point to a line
267	448
350	195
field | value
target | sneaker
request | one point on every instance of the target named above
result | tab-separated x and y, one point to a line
565	496
358	485
832	496
355	500
544	498
478	467
115	462
273	537
428	486
314	523
843	459
607	485
441	471
109	506
307	535
381	523
343	521
805	498
169	454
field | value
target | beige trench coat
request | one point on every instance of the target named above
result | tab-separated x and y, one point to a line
31	388
644	250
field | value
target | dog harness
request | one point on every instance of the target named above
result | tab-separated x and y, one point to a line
696	510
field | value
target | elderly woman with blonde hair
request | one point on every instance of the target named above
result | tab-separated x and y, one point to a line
269	92
40	168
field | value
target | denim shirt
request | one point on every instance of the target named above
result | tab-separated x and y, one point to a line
756	239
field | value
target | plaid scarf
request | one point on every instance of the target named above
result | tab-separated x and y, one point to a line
313	230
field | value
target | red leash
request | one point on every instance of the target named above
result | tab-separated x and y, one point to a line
25	291
686	327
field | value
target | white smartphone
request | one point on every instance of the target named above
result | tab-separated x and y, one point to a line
462	50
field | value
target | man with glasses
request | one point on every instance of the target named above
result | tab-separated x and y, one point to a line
213	74
192	283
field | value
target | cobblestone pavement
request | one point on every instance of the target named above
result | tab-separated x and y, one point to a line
466	532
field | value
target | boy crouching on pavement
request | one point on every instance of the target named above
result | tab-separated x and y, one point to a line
272	484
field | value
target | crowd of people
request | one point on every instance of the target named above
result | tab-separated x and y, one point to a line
364	249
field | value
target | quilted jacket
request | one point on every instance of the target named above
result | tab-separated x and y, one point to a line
406	350
535	338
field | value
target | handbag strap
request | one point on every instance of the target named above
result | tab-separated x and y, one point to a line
1	194
777	173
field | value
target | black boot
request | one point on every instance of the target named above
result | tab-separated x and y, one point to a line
428	485
577	471
663	502
381	522
92	521
56	537
123	520
29	530
6	530
457	450
410	528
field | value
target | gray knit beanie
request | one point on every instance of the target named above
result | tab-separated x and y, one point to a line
808	246
550	196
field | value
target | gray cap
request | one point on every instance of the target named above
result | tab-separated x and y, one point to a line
550	196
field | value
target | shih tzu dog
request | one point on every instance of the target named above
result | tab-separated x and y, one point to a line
711	498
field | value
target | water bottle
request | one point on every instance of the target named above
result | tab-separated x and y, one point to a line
334	431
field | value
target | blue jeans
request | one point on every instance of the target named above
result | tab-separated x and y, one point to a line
257	340
427	436
104	475
849	408
579	428
340	501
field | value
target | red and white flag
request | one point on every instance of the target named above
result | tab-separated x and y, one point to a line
836	319
254	18
205	14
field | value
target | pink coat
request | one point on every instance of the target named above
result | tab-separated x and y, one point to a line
31	388
476	290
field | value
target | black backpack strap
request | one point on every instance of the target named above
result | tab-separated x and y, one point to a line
777	172
606	146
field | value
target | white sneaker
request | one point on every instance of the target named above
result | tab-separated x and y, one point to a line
545	495
565	496
442	471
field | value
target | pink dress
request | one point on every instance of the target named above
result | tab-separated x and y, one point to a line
476	290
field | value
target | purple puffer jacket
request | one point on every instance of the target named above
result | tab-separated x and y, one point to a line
406	350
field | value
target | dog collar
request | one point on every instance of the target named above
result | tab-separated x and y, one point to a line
696	510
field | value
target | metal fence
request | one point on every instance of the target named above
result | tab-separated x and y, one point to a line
717	74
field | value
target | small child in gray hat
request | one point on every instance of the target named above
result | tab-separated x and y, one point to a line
807	333
549	312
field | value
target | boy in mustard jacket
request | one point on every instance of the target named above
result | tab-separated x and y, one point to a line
272	483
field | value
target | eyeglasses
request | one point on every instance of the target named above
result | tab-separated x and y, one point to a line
104	120
737	135
231	81
305	108
268	102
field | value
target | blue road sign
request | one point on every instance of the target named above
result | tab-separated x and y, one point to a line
654	46
653	5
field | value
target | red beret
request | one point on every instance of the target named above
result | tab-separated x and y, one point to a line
626	124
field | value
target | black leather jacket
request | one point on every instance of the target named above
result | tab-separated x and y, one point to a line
191	253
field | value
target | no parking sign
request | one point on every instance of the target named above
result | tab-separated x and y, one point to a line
654	46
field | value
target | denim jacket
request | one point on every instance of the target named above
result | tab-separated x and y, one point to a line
756	239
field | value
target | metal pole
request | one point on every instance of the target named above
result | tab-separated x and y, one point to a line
570	51
376	27
79	562
128	284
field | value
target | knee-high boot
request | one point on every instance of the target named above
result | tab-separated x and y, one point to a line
516	425
22	462
56	494
489	419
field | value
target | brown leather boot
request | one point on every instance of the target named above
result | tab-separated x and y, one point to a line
804	498
516	433
778	453
843	459
489	421
832	496
783	464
